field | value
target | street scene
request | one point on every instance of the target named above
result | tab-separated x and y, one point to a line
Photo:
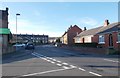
59	39
48	60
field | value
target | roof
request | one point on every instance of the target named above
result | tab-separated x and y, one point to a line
110	28
64	33
90	32
101	29
70	28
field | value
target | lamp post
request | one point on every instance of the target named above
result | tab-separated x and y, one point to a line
16	25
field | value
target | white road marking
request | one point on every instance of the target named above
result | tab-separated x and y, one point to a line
52	62
35	55
82	69
48	60
65	63
54	59
111	60
51	58
66	67
59	64
95	74
48	57
72	66
45	72
58	61
44	59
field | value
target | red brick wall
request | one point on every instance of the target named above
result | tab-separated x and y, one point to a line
106	40
95	39
72	33
115	39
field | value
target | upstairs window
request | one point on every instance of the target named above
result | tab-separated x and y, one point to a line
101	39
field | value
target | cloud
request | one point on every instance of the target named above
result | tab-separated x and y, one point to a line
88	21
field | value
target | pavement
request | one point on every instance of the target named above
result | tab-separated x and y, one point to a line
48	60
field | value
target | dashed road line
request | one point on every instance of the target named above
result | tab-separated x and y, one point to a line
72	66
66	67
52	62
54	59
65	63
48	60
59	63
95	74
82	69
44	59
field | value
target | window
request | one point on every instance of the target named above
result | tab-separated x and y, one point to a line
101	39
77	40
119	37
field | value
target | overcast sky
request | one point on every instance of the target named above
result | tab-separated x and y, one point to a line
54	18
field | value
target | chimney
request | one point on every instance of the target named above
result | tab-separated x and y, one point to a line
70	27
106	23
7	9
85	29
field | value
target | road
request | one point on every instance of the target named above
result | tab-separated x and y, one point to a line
48	60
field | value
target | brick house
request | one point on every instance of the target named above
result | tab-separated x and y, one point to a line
106	36
68	37
24	38
4	31
109	36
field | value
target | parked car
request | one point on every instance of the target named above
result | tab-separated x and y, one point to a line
18	45
58	44
23	45
29	46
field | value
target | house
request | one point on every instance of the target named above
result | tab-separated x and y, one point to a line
86	35
4	31
24	38
109	36
106	36
52	39
68	36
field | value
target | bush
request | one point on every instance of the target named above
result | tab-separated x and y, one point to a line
86	45
112	51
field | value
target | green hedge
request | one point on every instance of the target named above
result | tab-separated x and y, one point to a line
86	44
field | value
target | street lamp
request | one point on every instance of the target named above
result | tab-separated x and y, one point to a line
16	25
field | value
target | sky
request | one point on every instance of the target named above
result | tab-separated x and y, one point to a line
54	18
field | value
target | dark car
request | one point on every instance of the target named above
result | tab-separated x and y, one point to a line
30	46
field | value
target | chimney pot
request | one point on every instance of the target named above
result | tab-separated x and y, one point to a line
7	9
106	22
85	28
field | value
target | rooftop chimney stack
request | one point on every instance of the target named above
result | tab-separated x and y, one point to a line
7	10
106	22
85	29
